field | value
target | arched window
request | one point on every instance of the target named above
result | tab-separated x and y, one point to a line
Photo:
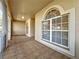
55	27
52	13
58	28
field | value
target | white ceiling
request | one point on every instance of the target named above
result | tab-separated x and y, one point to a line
26	8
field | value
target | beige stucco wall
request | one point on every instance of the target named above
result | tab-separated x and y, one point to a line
27	27
30	27
9	27
66	4
18	28
9	23
77	29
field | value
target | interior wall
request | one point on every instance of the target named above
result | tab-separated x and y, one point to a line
26	27
9	23
66	4
18	28
77	29
30	27
9	28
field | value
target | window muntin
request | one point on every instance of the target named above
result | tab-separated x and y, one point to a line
46	30
46	25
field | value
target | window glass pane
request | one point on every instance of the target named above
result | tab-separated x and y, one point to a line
53	24
65	26
56	24
46	35
46	25
65	18
65	38
54	27
58	37
58	20
65	22
53	21
53	36
58	27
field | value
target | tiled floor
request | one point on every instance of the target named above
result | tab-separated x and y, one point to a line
21	47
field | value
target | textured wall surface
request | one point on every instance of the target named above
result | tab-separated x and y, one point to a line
18	28
77	29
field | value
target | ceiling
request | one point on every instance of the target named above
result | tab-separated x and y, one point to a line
23	9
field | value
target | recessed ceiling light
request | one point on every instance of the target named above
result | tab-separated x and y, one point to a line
22	17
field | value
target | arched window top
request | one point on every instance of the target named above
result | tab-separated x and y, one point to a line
52	13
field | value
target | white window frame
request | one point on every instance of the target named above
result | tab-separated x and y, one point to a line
71	34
